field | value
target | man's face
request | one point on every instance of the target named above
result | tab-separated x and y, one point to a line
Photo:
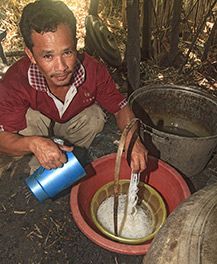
55	55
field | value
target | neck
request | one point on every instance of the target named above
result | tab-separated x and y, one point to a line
60	92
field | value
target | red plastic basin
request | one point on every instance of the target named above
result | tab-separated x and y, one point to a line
166	180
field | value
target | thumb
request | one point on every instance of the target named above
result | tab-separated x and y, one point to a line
66	148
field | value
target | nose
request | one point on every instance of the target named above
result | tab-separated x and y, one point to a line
60	64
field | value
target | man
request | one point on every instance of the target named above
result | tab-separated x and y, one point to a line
55	87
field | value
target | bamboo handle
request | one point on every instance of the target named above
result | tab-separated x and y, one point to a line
117	169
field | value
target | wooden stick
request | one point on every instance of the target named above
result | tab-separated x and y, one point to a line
117	170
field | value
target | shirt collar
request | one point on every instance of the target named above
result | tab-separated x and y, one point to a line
38	81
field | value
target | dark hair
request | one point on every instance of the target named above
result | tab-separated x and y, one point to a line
45	16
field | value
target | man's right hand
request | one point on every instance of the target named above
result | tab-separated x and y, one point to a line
48	153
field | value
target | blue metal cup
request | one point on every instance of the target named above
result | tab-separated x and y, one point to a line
48	183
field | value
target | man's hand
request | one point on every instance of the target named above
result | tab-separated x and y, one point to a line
48	153
139	154
138	157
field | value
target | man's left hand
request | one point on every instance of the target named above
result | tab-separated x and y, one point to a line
138	157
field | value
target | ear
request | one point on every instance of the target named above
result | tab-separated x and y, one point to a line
30	55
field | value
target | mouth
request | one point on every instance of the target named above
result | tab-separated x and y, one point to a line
61	76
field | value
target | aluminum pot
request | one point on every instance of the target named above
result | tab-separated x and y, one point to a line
180	124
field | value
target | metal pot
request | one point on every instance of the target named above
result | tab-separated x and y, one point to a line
180	124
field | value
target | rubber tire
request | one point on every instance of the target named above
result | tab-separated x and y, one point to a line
189	233
100	39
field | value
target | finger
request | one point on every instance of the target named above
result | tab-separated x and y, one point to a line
146	157
58	161
47	166
53	163
59	164
66	148
135	165
142	164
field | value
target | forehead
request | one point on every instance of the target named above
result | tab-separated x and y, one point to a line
61	36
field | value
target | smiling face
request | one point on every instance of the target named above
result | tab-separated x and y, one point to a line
55	54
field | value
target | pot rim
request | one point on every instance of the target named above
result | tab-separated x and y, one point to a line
191	89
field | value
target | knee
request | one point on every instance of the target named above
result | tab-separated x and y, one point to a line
36	124
95	119
34	118
82	129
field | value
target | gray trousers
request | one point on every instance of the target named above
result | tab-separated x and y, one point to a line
79	131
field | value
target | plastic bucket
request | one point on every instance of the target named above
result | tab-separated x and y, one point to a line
48	183
180	125
159	175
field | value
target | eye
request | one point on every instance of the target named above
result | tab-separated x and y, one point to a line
68	53
47	56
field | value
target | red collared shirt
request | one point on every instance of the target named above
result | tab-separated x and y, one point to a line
23	86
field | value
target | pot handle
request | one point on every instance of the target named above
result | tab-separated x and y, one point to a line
117	167
149	130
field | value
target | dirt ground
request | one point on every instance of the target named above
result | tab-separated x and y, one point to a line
45	232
